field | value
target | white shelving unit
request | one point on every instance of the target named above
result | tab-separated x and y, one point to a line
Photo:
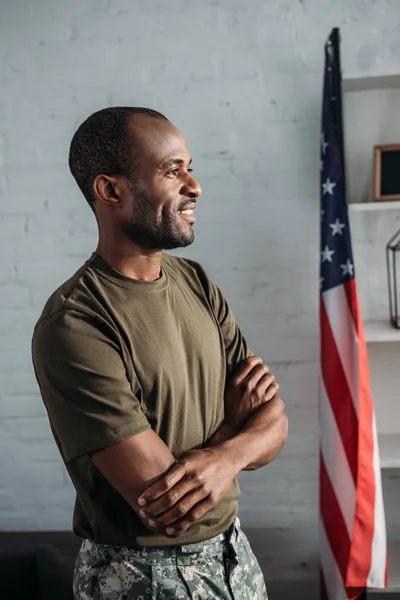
370	107
368	84
380	331
364	206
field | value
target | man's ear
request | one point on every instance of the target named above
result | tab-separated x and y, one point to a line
106	188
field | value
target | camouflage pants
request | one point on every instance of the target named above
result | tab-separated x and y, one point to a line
222	568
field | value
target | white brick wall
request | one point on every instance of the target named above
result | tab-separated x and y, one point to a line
243	81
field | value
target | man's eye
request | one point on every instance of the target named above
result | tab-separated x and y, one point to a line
176	171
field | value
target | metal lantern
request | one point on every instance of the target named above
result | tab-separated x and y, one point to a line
392	258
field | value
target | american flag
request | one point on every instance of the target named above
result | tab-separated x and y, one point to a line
352	520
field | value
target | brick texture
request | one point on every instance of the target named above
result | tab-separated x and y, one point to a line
243	81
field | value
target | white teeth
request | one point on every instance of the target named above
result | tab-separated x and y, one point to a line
186	212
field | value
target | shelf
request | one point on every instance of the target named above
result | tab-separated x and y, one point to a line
389	450
380	331
382	82
363	206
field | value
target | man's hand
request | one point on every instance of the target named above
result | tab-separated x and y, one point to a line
200	478
196	483
250	386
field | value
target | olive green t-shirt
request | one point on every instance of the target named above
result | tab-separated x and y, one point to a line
115	356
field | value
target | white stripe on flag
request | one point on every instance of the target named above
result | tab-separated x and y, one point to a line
345	335
333	580
336	462
376	576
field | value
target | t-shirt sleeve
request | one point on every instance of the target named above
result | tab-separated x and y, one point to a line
236	348
82	378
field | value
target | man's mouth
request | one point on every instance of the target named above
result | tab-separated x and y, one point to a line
187	215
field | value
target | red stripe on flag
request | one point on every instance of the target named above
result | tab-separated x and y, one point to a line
355	593
350	290
361	551
338	391
332	518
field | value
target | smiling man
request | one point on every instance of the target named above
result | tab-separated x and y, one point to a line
154	399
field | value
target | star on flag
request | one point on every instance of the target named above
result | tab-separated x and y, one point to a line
337	227
324	144
347	268
327	187
326	254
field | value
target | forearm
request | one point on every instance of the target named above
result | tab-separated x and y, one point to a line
260	440
223	434
181	497
134	464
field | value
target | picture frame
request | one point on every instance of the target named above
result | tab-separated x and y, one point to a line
387	172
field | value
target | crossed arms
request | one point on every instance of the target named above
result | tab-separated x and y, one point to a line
171	492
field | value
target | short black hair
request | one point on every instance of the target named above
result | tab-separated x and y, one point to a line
103	145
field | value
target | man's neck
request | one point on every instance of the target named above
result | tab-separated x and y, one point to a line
132	261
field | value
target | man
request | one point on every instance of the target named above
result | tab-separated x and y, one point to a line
154	399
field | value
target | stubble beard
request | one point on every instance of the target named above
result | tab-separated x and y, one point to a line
154	231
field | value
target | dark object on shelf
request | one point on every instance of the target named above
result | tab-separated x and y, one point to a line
387	172
392	262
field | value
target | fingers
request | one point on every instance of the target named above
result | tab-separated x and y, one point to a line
185	509
267	386
194	514
255	375
171	498
163	485
245	367
260	379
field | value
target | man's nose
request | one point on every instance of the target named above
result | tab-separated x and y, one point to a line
191	188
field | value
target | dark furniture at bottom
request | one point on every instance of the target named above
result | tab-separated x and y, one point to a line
37	565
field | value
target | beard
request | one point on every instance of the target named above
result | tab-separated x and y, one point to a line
156	231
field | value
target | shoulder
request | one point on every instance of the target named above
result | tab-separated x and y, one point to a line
70	337
71	312
77	295
60	330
